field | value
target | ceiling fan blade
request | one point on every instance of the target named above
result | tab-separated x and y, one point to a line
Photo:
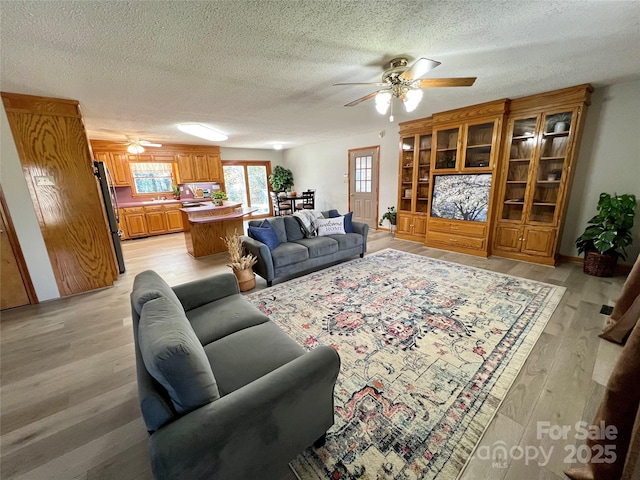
362	99
419	68
379	84
446	82
144	143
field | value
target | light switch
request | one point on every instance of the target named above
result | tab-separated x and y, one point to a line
45	181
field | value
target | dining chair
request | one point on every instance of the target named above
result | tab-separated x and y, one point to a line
280	206
308	200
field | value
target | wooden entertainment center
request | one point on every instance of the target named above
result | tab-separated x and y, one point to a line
494	178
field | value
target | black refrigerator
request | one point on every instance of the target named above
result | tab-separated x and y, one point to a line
111	207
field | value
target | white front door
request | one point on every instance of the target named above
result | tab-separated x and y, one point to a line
363	184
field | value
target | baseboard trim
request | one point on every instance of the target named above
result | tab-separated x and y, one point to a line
621	268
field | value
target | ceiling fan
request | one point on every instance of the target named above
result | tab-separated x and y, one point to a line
404	82
135	145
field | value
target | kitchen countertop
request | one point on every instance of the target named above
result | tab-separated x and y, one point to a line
220	218
146	203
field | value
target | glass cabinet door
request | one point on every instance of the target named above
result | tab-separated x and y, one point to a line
447	149
523	140
406	173
477	153
424	162
551	166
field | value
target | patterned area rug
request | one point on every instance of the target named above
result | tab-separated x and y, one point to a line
429	349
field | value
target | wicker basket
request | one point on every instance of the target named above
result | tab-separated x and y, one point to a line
599	264
246	279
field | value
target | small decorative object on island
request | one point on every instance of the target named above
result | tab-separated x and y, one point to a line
603	241
240	264
391	216
281	179
218	197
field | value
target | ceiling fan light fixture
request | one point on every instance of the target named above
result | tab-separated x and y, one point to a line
412	98
202	131
135	148
383	100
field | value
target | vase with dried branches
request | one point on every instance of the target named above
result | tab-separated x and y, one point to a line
240	263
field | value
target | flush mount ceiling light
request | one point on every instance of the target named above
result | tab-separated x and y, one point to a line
277	146
202	131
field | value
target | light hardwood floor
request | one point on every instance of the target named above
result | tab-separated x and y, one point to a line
69	406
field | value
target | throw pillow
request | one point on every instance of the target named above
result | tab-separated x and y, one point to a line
330	226
265	234
348	225
174	356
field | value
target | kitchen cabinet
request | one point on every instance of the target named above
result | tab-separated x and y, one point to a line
464	154
117	163
413	179
538	159
174	218
135	221
200	167
150	220
186	172
156	219
122	225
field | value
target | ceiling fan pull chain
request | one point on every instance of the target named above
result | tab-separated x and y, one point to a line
391	111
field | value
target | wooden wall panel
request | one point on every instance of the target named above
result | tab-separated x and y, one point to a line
56	160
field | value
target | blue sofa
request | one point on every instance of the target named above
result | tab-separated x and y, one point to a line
224	392
297	254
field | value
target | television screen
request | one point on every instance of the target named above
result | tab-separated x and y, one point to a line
461	197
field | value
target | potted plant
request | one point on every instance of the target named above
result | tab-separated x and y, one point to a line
176	192
218	197
603	241
281	179
390	215
240	264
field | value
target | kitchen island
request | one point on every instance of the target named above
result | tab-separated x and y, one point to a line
204	226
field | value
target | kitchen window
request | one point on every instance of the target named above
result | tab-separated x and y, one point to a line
152	177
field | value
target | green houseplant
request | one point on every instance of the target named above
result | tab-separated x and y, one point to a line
218	197
390	215
603	241
281	179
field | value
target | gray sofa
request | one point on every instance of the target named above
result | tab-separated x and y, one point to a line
224	392
297	254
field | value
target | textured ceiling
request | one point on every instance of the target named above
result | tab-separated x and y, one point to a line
262	72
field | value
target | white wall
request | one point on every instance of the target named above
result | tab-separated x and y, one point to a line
608	161
323	166
23	216
274	156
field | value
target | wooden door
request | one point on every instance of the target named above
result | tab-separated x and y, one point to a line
120	171
54	152
156	220
185	169
201	168
16	288
363	185
174	220
508	237
538	241
215	168
136	223
403	221
420	225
